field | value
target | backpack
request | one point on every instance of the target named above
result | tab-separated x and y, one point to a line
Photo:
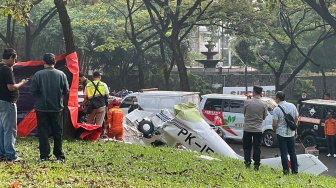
100	101
289	120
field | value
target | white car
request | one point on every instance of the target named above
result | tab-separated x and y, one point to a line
227	111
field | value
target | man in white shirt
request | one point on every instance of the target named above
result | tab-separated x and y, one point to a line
286	136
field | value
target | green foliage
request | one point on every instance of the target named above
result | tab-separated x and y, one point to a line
18	9
303	85
198	84
111	43
244	51
324	55
115	164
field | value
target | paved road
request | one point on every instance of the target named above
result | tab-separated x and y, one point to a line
330	162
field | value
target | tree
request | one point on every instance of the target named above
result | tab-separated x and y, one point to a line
140	32
245	54
295	24
321	7
69	48
31	35
174	20
97	31
66	26
14	10
13	38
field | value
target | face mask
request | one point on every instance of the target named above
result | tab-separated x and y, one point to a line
303	96
135	102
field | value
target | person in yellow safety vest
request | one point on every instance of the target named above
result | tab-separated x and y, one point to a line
97	92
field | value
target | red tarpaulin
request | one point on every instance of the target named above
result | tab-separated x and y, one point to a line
26	115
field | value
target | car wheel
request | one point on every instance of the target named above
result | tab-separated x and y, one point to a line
309	140
146	128
269	139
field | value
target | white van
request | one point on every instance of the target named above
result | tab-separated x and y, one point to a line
227	111
154	101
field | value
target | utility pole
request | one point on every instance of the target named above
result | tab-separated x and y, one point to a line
246	89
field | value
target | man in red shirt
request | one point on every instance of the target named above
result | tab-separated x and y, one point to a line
330	134
113	124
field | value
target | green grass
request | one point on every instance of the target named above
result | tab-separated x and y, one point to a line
112	164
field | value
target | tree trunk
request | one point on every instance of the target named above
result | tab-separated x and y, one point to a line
322	10
324	81
166	77
28	45
182	70
166	72
278	86
141	75
68	129
66	26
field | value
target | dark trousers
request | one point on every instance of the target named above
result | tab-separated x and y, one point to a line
45	121
252	139
331	143
287	147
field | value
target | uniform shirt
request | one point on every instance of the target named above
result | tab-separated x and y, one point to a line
115	117
48	86
330	127
289	108
255	111
133	107
90	89
299	102
7	77
123	94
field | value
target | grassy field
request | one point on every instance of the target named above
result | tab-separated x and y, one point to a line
112	164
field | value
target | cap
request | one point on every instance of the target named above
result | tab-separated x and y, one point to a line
96	74
257	89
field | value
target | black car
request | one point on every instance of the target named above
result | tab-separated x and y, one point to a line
311	121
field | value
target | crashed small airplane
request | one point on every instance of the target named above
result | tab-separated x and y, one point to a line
187	127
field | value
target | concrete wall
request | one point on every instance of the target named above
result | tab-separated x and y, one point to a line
234	79
267	80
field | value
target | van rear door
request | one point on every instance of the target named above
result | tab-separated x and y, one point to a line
193	98
168	102
149	103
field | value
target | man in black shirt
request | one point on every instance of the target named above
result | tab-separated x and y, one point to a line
48	87
134	106
83	80
8	110
326	96
302	98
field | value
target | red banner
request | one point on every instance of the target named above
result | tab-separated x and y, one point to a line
29	122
